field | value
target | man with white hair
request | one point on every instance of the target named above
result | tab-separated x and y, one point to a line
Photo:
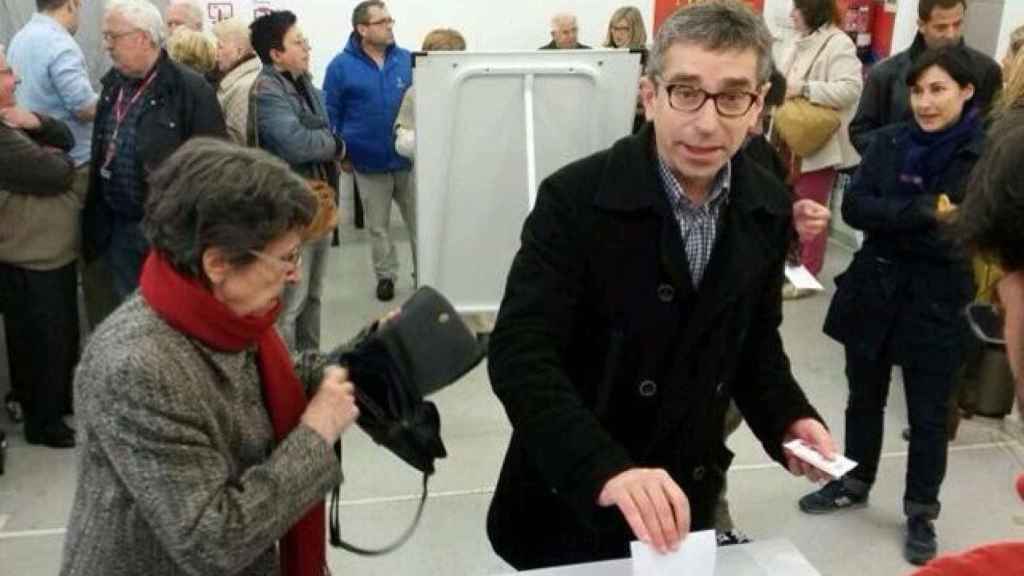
148	107
238	67
564	34
185	13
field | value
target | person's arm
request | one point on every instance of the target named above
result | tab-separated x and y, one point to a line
334	83
868	206
209	518
71	81
766	392
295	140
28	167
568	445
844	82
870	115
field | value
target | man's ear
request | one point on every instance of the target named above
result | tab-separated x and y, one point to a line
648	95
215	265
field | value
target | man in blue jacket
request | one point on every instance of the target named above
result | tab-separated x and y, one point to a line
363	89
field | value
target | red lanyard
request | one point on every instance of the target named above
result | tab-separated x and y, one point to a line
121	109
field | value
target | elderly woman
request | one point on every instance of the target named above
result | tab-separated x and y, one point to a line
900	301
206	448
238	67
193	49
405	123
821	65
626	29
39	223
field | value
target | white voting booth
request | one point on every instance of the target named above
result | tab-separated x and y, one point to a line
489	128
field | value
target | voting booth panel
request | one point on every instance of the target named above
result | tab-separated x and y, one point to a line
489	128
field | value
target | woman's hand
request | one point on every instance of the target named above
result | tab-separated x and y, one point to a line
794	89
333	408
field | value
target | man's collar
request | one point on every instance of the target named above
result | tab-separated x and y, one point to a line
718	191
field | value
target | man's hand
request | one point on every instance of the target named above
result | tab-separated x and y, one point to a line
16	117
810	219
655	507
817	437
333	408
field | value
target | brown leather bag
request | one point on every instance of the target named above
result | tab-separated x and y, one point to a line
326	217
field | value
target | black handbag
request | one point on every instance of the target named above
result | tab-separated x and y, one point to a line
424	349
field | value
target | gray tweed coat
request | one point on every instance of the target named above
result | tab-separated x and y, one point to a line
179	471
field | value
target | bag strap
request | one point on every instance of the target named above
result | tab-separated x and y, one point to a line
338	542
818	55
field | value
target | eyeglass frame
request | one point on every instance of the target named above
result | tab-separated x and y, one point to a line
385	21
292	260
110	38
671	87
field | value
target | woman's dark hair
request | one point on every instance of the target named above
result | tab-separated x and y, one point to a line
818	13
989	222
952	59
211	193
268	31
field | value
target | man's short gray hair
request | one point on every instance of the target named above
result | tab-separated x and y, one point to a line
717	25
142	15
562	18
194	10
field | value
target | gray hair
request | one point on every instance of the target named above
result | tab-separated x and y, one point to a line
142	15
211	193
562	18
233	31
719	25
195	11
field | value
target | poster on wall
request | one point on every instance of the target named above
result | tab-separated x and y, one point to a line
664	8
247	10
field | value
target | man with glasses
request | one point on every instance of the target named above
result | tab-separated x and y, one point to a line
148	107
364	87
645	297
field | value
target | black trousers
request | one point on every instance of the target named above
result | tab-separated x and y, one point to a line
40	310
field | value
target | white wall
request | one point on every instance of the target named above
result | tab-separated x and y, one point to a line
486	24
1013	16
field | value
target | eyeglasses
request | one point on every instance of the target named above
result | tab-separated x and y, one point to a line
385	21
110	37
6	71
290	261
730	104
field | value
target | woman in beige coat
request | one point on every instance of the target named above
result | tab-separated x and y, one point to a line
821	65
239	66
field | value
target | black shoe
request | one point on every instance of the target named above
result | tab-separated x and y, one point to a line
832	497
920	546
731	537
57	435
385	289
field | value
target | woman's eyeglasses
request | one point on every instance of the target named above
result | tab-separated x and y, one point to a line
290	261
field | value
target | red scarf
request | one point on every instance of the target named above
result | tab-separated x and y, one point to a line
188	306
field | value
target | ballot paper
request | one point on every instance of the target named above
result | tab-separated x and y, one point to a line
802	278
695	557
835	468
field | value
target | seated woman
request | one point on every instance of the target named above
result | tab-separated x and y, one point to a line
206	448
900	300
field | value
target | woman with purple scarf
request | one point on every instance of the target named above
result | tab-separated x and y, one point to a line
900	301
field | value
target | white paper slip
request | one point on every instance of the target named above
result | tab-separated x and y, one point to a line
695	557
835	468
802	278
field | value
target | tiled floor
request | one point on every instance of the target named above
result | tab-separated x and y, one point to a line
380	492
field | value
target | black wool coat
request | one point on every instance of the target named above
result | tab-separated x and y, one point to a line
606	358
902	296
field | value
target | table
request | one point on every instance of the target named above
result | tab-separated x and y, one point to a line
761	558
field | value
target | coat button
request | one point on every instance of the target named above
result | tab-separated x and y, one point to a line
698	473
648	388
666	293
720	389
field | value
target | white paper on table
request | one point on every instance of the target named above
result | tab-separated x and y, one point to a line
695	557
802	278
